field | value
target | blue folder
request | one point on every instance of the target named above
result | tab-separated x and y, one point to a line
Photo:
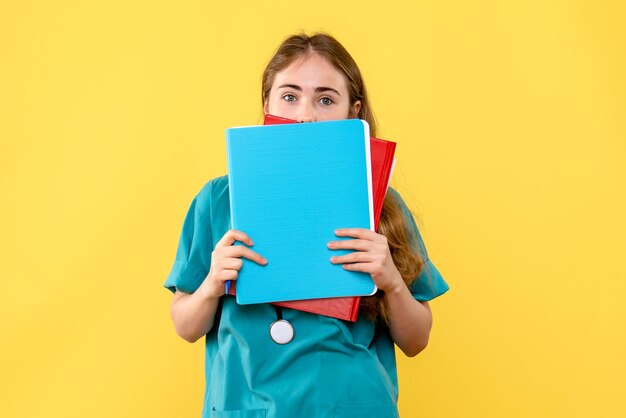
290	187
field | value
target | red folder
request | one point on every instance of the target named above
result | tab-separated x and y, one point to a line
346	308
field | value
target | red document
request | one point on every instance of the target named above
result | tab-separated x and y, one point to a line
346	308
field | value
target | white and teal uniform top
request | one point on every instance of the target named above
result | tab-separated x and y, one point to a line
332	368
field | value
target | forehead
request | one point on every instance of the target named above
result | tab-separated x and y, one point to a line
311	70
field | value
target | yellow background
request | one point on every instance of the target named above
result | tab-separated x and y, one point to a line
511	130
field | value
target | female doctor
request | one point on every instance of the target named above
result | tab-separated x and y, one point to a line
329	367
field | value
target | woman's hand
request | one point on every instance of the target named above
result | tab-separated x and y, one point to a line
194	313
371	256
226	261
410	320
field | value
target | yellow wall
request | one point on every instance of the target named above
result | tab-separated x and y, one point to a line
510	120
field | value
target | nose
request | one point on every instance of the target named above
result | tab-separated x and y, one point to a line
305	113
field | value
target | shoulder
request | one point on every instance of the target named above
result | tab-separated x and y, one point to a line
211	192
219	184
393	192
216	185
409	220
399	201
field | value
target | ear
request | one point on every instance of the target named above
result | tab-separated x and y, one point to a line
356	108
265	107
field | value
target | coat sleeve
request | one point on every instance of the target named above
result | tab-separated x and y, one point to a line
193	257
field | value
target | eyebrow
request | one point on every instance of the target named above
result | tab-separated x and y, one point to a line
317	89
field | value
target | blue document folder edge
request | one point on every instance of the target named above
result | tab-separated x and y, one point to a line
290	196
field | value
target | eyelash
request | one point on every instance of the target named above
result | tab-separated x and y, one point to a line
292	96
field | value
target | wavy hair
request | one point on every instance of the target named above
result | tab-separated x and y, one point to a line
392	224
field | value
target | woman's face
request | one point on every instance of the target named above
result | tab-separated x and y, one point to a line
310	90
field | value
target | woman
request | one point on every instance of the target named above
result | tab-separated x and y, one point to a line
332	367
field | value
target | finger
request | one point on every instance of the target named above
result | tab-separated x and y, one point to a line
237	251
230	263
356	233
351	244
363	267
352	258
225	275
233	235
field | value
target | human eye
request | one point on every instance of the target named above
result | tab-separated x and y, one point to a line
289	98
326	101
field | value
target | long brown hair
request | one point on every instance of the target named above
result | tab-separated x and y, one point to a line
329	48
392	224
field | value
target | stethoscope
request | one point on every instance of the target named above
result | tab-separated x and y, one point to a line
281	330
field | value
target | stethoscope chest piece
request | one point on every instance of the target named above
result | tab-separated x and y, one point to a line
282	331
